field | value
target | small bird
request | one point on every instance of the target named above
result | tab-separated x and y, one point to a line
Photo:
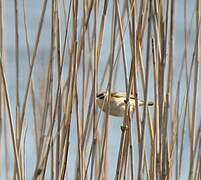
117	103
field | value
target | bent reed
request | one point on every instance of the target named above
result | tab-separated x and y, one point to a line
56	60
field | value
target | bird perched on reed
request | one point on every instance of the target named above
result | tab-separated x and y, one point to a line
117	103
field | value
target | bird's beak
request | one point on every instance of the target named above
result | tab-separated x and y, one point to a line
150	103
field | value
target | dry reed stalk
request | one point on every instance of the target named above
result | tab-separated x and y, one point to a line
60	61
175	135
169	95
188	80
185	57
71	93
32	85
69	73
69	111
16	154
126	123
122	43
142	141
32	61
93	167
143	84
2	55
42	163
29	77
17	78
3	124
3	116
154	145
110	85
79	173
195	88
6	139
52	55
133	71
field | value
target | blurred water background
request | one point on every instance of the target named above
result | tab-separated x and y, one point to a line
33	10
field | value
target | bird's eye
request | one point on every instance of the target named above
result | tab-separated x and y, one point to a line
101	96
